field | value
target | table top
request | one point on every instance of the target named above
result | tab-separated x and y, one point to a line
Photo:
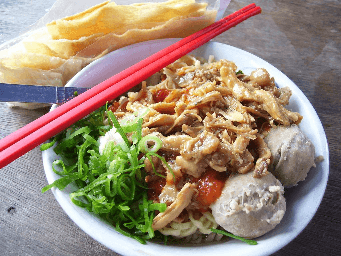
300	38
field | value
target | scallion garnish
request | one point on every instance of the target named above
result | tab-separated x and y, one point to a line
110	184
248	241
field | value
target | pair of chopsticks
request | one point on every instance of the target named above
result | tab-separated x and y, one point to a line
33	134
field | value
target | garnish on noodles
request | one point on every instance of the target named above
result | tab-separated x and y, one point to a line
111	183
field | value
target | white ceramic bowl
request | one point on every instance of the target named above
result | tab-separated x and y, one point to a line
302	201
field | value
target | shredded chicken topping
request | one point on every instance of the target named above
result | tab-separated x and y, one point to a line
208	116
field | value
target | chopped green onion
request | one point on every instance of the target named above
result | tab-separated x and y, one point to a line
143	145
48	144
248	241
110	184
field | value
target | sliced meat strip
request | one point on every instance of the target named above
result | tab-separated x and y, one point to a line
182	200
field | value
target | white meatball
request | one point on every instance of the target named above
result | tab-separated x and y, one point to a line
293	154
250	207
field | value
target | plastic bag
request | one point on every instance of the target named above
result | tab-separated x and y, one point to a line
64	8
67	60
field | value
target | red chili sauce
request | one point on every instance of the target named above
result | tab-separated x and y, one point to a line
210	186
155	188
160	95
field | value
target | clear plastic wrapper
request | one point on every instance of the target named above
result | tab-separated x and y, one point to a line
54	49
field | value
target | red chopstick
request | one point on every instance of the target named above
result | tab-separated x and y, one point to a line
45	127
40	122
